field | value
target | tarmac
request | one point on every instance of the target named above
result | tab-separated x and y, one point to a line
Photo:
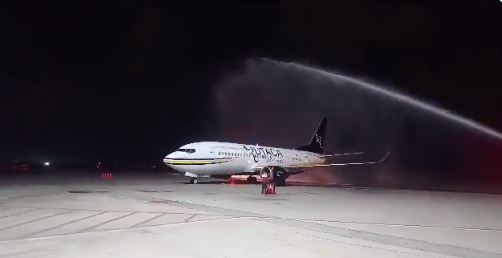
159	215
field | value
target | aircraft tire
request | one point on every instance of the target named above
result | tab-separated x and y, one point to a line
251	180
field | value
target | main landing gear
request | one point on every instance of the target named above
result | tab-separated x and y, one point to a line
277	175
251	179
280	178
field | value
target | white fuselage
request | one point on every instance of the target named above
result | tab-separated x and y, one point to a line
223	158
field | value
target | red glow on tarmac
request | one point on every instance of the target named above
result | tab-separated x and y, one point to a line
16	168
318	176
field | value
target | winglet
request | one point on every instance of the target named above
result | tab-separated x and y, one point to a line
385	157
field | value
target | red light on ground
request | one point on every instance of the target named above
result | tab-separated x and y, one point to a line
107	175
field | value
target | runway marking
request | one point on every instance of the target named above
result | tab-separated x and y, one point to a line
404	225
190	222
130	228
360	245
148	220
298	223
108	221
228	212
64	224
19	213
189	218
357	234
405	243
390	240
33	220
76	209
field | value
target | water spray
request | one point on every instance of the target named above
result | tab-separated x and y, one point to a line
469	123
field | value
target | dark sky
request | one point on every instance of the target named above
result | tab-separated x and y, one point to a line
129	82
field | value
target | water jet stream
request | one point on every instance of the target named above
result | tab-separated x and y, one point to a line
469	123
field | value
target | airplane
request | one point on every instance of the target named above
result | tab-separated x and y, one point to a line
224	159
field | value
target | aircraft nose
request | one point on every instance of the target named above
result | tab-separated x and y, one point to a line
168	159
170	155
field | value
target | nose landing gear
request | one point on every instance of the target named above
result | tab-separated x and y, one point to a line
193	177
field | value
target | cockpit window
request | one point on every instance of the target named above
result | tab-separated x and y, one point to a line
187	150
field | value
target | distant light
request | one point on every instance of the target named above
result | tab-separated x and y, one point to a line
47	163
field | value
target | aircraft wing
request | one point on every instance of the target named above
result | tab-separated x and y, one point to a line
342	154
299	168
342	164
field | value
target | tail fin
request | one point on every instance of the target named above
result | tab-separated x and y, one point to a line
317	142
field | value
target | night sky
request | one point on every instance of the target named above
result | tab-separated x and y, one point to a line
130	82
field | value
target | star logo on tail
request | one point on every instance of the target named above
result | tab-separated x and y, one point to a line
318	139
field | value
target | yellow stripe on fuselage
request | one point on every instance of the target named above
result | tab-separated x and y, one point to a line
193	162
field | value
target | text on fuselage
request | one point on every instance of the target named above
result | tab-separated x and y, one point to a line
261	152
